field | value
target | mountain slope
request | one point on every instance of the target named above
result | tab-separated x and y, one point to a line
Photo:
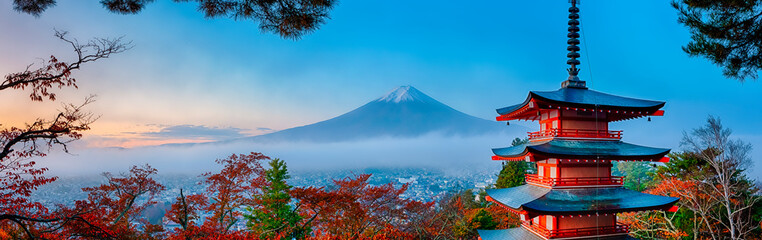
403	112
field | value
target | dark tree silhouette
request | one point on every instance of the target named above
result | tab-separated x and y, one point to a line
288	18
727	32
19	175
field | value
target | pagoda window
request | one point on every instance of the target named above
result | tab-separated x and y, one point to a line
584	114
548	114
549	120
585	124
571	119
579	172
550	222
577	222
549	171
553	114
543	221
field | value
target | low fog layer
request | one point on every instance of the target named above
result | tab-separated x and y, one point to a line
456	155
452	154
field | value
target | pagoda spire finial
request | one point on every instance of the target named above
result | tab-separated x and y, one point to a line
573	48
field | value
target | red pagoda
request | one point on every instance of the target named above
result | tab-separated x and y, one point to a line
573	195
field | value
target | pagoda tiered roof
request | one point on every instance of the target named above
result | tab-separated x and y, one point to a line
579	201
580	149
582	99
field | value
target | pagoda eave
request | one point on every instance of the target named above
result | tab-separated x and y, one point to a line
615	114
516	197
516	211
524	157
537	200
563	214
531	213
569	159
568	99
580	150
618	108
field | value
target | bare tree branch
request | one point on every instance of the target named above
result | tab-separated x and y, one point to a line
56	73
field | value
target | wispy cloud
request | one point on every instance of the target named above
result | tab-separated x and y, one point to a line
158	134
197	132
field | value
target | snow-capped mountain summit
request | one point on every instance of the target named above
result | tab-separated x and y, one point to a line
404	112
404	94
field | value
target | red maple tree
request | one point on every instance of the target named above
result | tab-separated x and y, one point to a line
120	202
357	210
228	191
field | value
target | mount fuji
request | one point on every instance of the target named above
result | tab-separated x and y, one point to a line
405	112
402	129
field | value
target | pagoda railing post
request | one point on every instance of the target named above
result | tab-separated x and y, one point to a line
578	232
577	181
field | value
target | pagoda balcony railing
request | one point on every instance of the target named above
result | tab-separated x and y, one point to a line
619	228
575	133
573	181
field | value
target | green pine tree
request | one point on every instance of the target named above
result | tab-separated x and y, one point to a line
637	174
727	32
483	220
274	215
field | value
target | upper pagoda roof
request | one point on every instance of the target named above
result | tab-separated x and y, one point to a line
585	99
582	149
578	201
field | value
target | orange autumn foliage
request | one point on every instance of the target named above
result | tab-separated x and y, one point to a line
358	210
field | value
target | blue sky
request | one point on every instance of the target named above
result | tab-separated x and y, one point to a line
185	70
